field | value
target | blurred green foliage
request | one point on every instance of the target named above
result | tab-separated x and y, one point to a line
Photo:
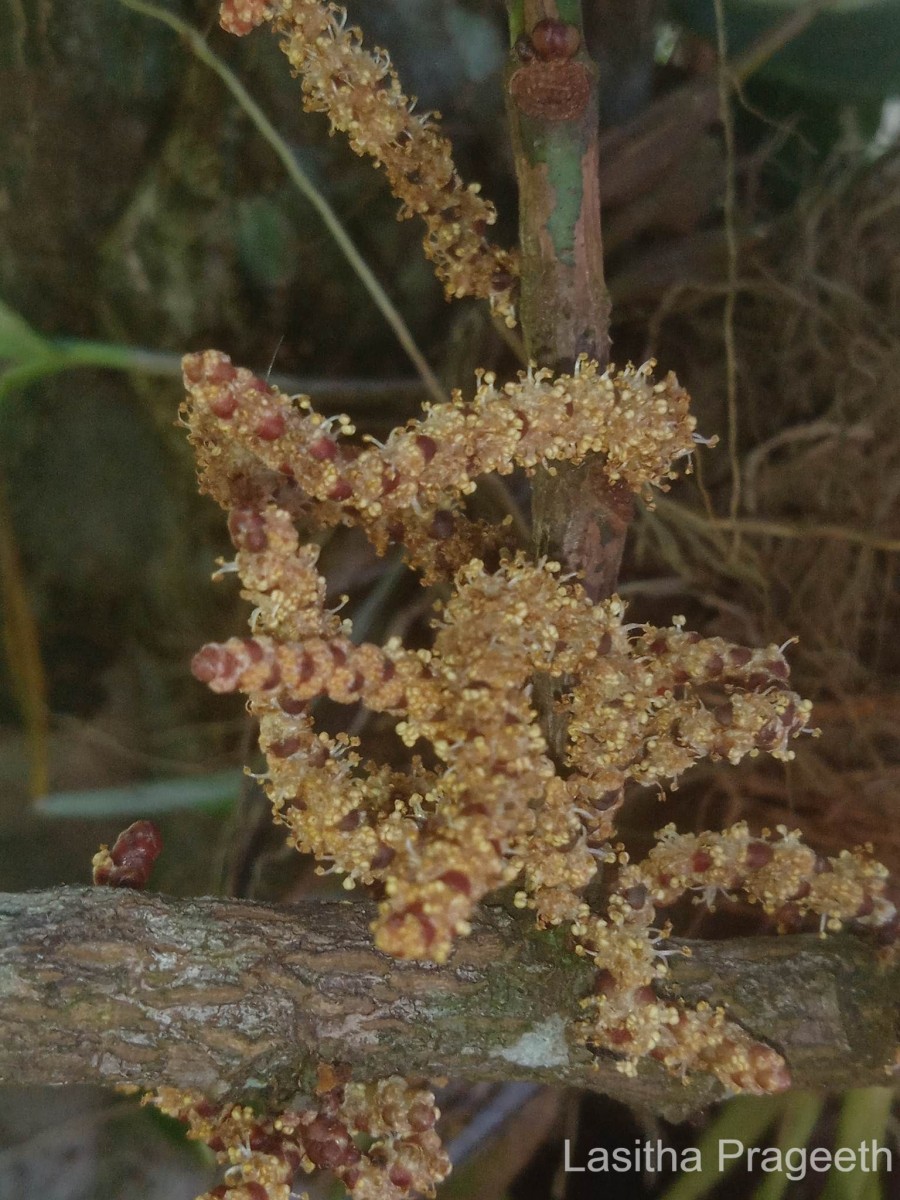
851	51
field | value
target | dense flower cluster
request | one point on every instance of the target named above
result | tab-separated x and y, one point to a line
642	704
360	93
440	842
392	1120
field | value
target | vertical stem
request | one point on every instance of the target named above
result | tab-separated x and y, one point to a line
565	306
578	518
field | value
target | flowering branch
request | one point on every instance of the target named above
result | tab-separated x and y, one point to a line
534	705
641	704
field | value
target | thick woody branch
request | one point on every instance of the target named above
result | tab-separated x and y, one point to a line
242	999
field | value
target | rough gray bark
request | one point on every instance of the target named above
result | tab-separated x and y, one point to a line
235	997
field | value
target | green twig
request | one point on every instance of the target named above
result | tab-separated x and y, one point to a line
69	354
579	519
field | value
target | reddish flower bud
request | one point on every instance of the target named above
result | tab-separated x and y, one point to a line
192	368
341	491
428	446
352	820
241	16
400	1177
383	856
441	525
131	859
216	666
254	650
421	1117
605	982
759	854
328	1144
224	406
323	449
270	426
553	39
248	530
457	881
285	748
220	370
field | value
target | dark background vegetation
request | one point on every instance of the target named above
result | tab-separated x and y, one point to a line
140	207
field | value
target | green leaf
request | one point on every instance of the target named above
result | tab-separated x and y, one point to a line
745	1119
864	1117
18	341
801	1114
214	791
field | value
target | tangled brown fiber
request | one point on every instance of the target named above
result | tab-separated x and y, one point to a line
816	553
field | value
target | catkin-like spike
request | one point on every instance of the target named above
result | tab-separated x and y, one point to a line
280	577
361	95
625	1014
780	873
355	819
639	425
671	698
497	807
331	667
